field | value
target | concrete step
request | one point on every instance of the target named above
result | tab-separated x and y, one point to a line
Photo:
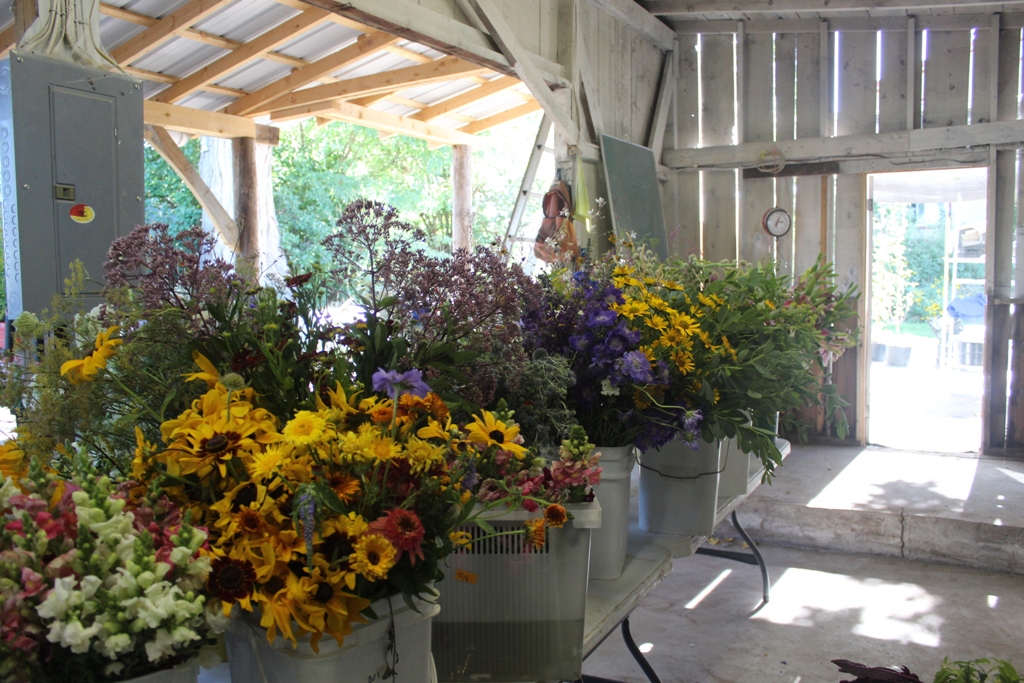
958	510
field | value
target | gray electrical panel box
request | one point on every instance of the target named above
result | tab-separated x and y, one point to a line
71	160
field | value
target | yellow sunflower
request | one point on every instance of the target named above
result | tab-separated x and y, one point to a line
373	556
493	432
266	463
85	369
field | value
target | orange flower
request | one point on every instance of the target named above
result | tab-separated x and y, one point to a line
555	515
536	532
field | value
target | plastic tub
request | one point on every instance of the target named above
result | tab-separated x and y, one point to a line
361	658
608	543
679	489
510	613
183	673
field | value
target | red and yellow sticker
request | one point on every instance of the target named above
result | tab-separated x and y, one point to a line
82	213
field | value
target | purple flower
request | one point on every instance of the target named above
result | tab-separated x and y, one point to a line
692	419
634	365
394	383
307	511
602	318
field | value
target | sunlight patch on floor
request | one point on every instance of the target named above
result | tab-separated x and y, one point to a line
901	612
937	483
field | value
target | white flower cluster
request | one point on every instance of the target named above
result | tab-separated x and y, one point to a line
125	601
7	490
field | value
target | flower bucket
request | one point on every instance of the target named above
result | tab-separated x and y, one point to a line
608	543
735	470
679	489
361	659
511	613
183	673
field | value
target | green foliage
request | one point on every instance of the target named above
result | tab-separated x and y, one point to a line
167	199
318	170
892	292
977	671
925	247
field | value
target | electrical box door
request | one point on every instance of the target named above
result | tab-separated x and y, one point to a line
71	159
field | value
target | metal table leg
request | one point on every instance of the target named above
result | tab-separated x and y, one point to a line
753	558
627	637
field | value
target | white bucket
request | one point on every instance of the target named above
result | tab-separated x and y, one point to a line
183	673
608	543
361	659
679	489
735	470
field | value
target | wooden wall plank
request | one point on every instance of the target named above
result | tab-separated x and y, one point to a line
684	230
646	65
808	101
758	73
946	75
807	222
718	119
999	275
918	74
757	195
785	86
784	197
719	116
892	89
687	115
719	226
849	229
981	78
547	36
624	79
856	83
1008	78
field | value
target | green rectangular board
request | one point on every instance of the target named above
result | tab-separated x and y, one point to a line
633	195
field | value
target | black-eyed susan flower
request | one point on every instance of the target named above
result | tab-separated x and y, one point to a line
85	369
555	515
491	431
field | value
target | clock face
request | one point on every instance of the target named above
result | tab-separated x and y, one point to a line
777	222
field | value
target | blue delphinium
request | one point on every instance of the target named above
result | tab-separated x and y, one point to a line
395	383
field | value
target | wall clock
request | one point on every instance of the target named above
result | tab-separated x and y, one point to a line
777	222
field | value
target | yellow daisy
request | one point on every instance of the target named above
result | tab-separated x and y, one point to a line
305	428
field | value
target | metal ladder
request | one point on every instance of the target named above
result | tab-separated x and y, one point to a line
514	232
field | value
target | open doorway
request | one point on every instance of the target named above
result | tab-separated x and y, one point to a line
927	305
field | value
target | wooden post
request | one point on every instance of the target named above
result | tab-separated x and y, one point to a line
246	203
25	13
462	197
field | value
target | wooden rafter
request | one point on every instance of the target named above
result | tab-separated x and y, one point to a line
167	27
372	118
501	117
202	122
6	40
161	141
170	80
253	103
446	68
494	87
197	35
249	52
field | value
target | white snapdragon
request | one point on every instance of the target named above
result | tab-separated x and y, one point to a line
60	599
72	635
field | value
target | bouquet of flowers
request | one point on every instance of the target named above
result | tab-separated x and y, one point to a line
97	582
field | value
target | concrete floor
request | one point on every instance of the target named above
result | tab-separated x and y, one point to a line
855	589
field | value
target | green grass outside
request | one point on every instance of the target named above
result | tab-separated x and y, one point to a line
916	328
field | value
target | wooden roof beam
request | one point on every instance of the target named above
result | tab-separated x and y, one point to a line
249	52
174	24
202	122
171	80
638	19
464	99
367	44
447	68
7	40
226	227
501	117
379	120
697	8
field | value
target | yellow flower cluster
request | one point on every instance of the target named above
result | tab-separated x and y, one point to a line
239	473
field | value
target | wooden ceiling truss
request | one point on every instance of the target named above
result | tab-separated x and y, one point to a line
311	88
